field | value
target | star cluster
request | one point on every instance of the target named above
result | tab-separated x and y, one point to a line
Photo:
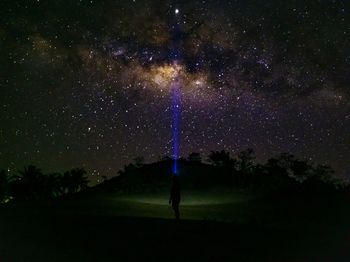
87	83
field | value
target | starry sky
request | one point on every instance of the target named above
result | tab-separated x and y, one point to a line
88	83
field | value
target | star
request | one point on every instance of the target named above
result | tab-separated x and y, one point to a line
102	86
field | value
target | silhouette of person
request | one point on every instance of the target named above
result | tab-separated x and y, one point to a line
175	196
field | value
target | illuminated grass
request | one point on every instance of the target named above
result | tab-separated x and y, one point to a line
198	198
197	205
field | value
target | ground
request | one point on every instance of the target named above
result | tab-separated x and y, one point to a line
215	226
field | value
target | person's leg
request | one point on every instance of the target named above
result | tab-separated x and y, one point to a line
175	207
177	211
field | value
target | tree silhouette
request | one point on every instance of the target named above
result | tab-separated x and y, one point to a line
277	175
164	158
246	160
281	165
195	157
28	184
220	158
283	173
324	172
4	185
245	167
139	161
274	167
301	169
75	180
52	186
285	160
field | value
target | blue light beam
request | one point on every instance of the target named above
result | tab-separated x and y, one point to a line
175	55
176	115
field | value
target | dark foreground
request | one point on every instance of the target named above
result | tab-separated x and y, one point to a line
84	230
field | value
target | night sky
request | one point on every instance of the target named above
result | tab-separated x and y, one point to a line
87	83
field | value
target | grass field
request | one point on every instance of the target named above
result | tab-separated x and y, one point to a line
216	226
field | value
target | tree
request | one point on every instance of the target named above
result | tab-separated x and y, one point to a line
52	186
220	158
301	169
195	157
4	186
245	168
164	158
28	184
246	161
281	165
139	161
326	174
75	180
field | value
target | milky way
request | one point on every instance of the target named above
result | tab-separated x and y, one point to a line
88	83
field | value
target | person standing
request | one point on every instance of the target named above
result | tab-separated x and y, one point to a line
175	196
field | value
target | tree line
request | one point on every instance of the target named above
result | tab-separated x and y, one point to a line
32	184
277	172
282	173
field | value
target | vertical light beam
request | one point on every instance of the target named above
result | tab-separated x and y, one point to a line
176	107
175	88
